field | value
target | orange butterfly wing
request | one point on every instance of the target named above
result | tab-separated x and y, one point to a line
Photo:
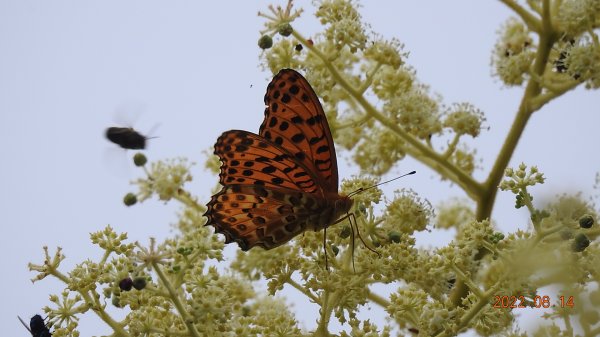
284	181
295	120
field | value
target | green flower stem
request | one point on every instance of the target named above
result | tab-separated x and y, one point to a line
104	316
325	312
104	257
155	290
187	320
592	233
163	332
475	309
486	202
594	332
547	18
369	80
532	22
361	120
116	326
553	92
568	326
382	302
303	290
186	198
461	276
417	150
451	147
346	260
534	5
530	208
491	248
545	233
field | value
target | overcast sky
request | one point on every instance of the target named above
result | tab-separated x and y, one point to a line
69	69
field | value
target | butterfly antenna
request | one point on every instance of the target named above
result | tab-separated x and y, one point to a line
362	189
24	324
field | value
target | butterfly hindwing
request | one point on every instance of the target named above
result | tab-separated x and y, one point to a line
256	215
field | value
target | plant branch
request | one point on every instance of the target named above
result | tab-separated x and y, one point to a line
187	320
417	150
382	302
555	91
485	204
303	290
532	22
533	89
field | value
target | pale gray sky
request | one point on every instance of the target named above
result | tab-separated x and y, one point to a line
67	67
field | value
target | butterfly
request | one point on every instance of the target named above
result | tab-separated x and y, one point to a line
36	327
282	181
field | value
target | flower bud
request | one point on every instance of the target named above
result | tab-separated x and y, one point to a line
335	249
139	159
394	236
586	221
116	301
285	29
130	199
139	283
265	42
126	284
580	243
346	231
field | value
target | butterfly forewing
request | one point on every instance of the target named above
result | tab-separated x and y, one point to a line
294	120
283	181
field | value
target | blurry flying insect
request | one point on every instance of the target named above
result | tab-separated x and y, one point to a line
124	134
36	327
127	138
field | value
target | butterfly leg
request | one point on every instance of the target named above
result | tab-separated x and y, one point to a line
352	246
351	215
325	248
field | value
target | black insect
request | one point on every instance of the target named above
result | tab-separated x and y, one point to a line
560	63
37	327
127	138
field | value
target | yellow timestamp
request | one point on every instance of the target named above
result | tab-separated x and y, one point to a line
520	301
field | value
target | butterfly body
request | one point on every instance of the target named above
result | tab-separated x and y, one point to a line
282	181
